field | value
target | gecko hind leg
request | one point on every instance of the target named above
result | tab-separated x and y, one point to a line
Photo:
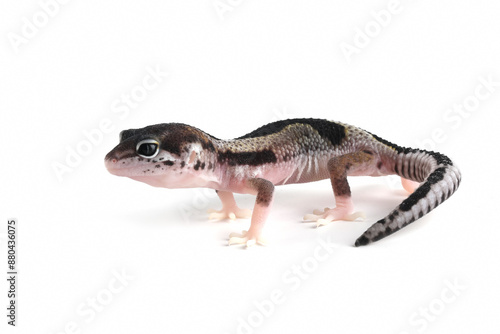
339	167
229	208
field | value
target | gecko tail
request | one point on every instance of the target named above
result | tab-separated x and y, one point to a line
439	180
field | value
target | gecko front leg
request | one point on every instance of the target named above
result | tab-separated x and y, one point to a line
265	192
229	208
339	167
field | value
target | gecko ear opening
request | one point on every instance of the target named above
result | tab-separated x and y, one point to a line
194	150
192	157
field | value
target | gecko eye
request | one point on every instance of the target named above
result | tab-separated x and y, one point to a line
148	148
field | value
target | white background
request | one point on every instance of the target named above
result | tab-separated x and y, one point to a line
229	73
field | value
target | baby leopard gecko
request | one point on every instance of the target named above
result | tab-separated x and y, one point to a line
174	155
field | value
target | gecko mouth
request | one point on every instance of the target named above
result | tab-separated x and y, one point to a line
113	167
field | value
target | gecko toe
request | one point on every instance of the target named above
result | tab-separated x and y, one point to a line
245	239
330	215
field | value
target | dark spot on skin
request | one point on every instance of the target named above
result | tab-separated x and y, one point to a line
154	161
331	131
391	217
341	187
247	158
157	166
420	214
203	166
197	165
149	160
123	162
168	163
379	165
286	157
265	190
140	159
183	163
161	159
368	152
210	165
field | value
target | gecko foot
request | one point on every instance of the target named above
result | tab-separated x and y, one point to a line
232	213
329	215
410	186
246	238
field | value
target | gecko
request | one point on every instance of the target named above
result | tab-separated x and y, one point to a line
176	155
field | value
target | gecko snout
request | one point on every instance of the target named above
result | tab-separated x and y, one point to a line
111	162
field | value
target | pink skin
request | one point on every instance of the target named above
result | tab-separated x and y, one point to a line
164	178
225	180
229	180
229	208
253	235
409	186
344	210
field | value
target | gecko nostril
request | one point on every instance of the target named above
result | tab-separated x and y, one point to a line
113	161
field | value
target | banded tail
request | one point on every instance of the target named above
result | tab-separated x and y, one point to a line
440	180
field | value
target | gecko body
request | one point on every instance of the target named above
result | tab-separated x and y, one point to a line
174	155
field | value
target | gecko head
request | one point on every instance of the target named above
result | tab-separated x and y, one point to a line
162	155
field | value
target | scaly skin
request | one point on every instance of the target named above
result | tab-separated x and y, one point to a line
176	155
